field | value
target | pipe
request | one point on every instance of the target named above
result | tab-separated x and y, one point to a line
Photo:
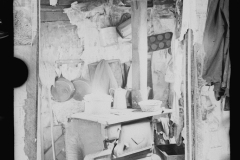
53	146
189	94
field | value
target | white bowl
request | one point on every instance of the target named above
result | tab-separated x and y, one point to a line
150	105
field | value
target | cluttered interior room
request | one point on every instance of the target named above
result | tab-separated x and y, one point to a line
134	79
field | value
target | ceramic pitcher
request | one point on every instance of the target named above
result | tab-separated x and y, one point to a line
119	100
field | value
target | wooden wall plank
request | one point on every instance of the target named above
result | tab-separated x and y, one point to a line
139	50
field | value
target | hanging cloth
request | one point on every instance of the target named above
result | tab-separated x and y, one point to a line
103	78
161	88
217	65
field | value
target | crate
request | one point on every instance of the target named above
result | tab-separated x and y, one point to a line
170	152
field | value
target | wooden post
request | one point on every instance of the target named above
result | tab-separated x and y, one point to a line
187	97
139	51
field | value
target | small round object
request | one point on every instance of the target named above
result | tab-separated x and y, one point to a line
152	39
160	37
167	35
161	45
168	43
154	47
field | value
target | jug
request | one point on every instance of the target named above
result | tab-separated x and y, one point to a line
119	100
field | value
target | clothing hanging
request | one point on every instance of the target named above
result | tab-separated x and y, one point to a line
217	66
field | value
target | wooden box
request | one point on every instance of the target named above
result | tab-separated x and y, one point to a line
170	152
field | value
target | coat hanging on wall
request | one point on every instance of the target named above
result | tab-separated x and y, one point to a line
217	67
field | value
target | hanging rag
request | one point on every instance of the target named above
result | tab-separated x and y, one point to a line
160	135
165	125
161	89
103	78
217	65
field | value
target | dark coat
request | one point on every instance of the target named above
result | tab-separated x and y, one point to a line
217	67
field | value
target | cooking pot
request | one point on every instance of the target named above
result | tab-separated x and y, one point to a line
62	90
82	88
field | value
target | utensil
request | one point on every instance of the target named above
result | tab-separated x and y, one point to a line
62	90
82	88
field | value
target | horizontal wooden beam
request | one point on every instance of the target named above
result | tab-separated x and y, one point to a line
67	2
48	8
49	16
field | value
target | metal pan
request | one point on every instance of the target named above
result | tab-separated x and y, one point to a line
63	90
82	88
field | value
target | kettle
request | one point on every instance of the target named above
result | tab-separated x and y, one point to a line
119	100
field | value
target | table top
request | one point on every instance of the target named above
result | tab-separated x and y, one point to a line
119	115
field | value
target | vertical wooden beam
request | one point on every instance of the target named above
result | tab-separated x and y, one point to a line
139	50
187	98
189	95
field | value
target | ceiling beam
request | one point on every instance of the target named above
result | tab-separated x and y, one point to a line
68	2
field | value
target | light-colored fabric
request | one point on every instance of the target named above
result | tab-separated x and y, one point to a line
178	68
165	124
103	78
160	60
215	139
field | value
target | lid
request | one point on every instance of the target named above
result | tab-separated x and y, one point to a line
98	97
82	88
